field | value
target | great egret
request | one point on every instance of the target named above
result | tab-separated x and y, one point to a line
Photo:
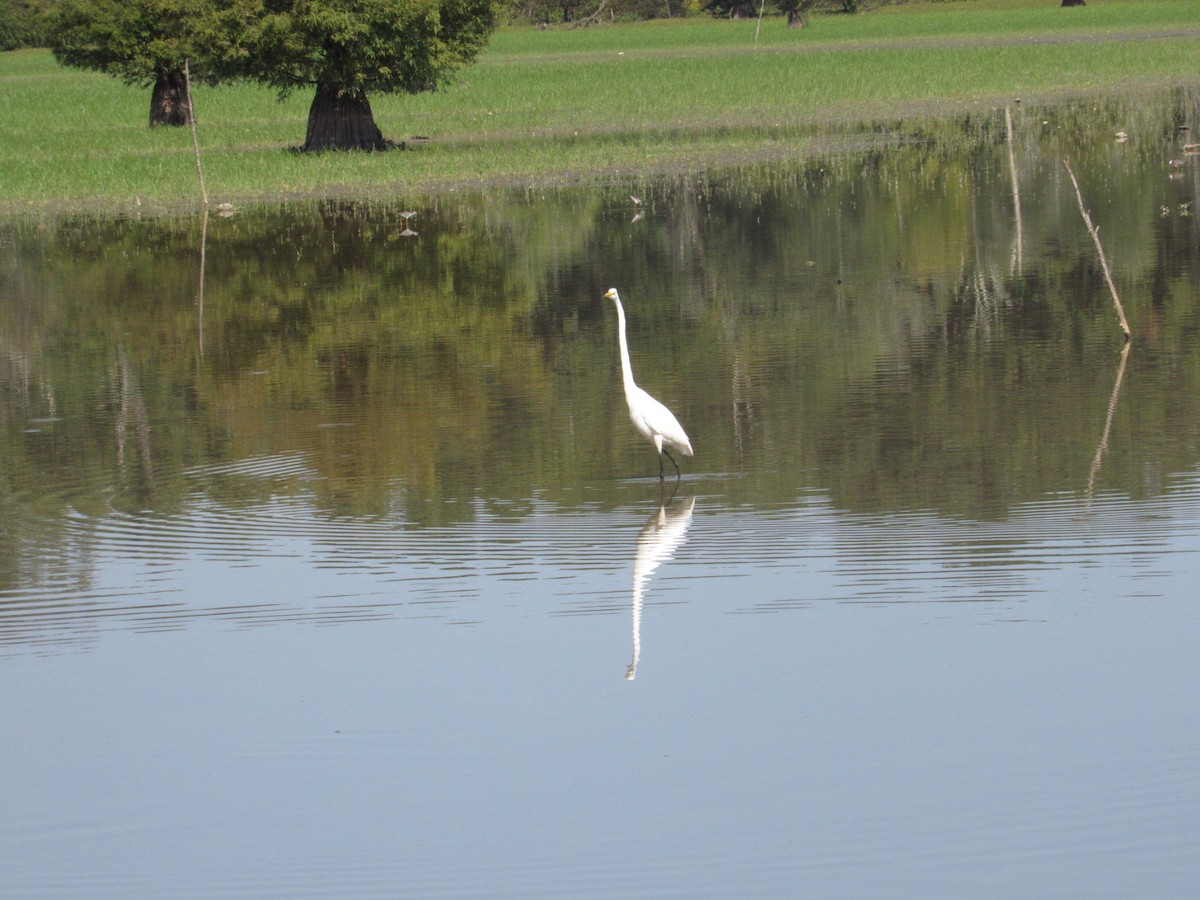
650	417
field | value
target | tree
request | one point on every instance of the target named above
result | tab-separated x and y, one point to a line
23	23
546	12
142	42
796	11
347	50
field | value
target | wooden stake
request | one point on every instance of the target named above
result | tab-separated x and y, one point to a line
1095	233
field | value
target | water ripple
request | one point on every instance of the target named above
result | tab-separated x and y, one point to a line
284	561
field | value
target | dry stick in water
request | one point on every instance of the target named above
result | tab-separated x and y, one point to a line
1095	233
1018	248
187	86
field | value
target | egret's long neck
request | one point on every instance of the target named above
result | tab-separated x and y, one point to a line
626	368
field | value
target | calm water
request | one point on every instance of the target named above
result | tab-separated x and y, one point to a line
330	564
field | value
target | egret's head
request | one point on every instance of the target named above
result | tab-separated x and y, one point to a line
610	294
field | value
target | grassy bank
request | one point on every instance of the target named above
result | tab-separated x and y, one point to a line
568	105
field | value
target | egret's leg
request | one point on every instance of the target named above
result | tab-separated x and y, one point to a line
672	459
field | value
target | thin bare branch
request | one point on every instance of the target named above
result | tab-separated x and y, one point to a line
187	84
1095	233
1018	249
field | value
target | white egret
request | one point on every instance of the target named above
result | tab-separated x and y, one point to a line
650	417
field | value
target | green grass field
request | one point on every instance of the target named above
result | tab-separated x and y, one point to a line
560	105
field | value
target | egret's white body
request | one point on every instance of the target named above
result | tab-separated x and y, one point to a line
650	417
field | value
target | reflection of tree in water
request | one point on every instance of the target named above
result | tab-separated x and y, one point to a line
133	421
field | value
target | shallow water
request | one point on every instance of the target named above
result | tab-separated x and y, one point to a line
331	565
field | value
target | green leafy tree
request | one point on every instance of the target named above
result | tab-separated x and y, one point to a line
142	42
348	50
23	23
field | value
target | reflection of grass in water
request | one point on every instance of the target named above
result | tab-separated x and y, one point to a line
562	104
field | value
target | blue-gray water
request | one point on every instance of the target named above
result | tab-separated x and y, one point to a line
342	572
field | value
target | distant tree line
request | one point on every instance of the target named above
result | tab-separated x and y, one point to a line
554	12
582	12
796	10
31	23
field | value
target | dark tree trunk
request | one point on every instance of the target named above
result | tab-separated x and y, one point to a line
169	103
797	19
341	119
1072	3
743	9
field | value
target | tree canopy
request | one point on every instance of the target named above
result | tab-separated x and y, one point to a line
348	49
130	39
376	46
23	23
142	42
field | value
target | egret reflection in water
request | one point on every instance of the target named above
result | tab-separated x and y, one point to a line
660	537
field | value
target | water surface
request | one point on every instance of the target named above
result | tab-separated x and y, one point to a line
331	565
